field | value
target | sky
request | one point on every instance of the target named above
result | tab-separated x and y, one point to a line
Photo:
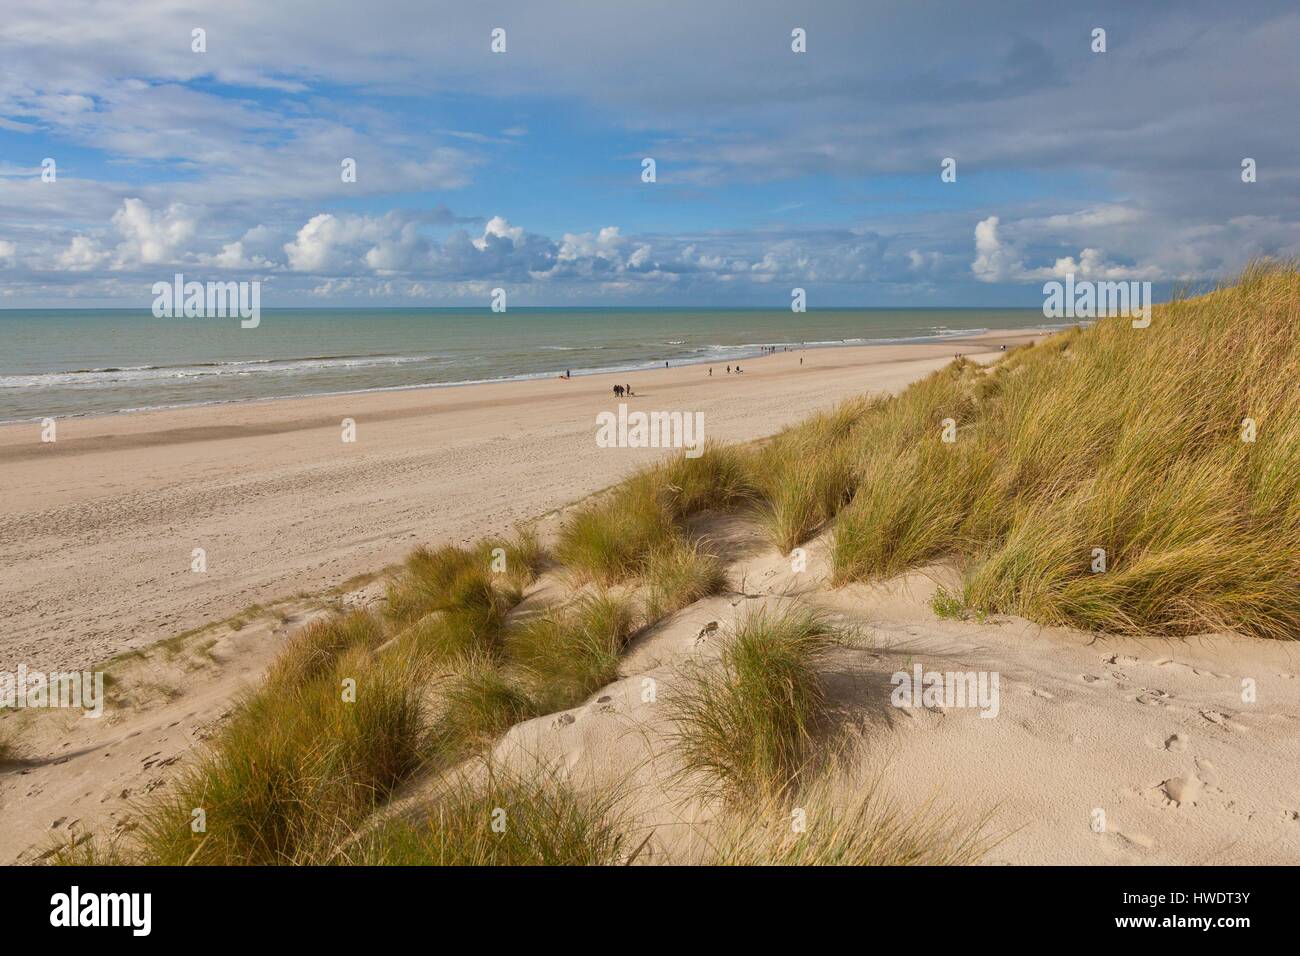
523	169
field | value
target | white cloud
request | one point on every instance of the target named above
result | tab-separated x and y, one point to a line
149	238
498	228
82	254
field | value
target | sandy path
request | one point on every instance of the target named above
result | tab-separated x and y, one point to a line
98	528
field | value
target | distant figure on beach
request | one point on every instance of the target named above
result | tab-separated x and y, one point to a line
728	369
568	373
618	391
737	369
628	389
665	364
710	371
1002	348
800	359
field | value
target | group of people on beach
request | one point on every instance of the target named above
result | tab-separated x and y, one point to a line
622	390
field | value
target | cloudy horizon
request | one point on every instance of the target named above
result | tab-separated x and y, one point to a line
523	169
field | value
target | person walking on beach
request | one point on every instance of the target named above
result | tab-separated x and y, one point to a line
710	371
728	369
628	389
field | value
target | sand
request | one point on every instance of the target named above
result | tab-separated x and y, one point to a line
99	528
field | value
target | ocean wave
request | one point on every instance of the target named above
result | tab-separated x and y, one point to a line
113	376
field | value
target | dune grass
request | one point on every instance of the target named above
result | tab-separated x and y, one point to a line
613	538
820	829
568	652
679	575
297	768
509	819
806	474
749	725
1126	440
480	702
315	650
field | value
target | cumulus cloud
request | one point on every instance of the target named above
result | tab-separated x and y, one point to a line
82	255
150	237
998	261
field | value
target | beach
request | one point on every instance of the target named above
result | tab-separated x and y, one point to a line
100	527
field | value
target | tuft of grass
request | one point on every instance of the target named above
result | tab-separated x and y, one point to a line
516	560
610	540
567	653
807	473
748	725
453	580
317	648
679	575
479	704
511	819
719	479
296	770
866	831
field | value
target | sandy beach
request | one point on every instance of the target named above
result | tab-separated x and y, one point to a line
99	527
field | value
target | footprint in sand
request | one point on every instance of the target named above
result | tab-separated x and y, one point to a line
1176	743
1120	660
1223	720
1206	773
1089	678
1199	672
1042	693
1181	790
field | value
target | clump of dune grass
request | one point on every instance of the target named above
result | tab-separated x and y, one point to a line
479	703
612	539
509	819
455	581
860	830
720	478
448	602
316	649
1170	454
568	652
297	768
749	724
806	474
609	540
516	561
679	575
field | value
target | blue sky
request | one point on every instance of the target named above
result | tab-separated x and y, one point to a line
522	169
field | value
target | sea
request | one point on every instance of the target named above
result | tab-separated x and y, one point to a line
57	363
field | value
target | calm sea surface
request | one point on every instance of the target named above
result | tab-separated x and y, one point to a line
64	362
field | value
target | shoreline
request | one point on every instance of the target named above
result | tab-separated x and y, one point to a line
99	528
958	337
